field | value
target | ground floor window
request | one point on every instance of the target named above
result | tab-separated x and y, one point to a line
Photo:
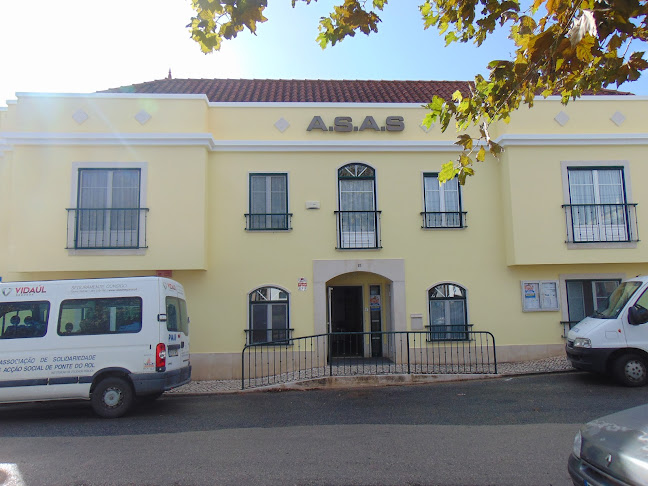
448	313
268	315
584	297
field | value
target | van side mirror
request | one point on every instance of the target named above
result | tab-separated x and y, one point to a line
637	315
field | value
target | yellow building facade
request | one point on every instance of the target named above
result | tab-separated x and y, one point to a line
278	216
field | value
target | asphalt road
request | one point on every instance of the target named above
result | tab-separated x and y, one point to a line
507	431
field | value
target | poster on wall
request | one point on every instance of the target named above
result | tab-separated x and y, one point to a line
374	302
540	295
302	284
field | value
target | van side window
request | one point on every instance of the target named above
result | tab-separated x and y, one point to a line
23	319
83	317
177	319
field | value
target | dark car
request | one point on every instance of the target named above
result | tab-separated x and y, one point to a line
612	450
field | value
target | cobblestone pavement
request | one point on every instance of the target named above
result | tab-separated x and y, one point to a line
547	365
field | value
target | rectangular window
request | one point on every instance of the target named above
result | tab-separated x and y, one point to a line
108	212
598	210
23	319
268	202
82	317
584	297
442	203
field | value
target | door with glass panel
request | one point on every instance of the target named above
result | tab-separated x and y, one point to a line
598	204
108	208
357	217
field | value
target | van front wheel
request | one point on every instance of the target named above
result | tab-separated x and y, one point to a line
112	397
631	370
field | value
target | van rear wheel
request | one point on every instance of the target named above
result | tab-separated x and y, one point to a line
631	370
112	397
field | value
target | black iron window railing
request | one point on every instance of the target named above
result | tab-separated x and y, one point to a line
268	336
107	228
358	229
436	219
400	352
268	221
601	223
456	332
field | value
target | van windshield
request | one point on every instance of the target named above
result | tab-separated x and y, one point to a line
617	301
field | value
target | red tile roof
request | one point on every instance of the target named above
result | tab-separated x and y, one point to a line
306	90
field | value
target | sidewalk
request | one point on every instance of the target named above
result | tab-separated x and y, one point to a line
547	365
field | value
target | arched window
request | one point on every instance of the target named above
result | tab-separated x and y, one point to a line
357	218
448	313
268	315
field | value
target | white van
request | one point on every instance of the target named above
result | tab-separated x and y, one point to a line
106	340
614	340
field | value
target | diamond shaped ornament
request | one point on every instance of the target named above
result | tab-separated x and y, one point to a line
562	118
80	116
618	118
282	124
142	117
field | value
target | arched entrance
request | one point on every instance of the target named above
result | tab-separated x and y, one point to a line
355	297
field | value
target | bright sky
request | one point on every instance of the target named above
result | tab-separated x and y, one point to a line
82	46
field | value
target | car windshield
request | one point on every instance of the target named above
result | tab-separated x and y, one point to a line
617	300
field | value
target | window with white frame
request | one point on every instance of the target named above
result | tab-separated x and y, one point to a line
598	210
268	202
442	203
108	213
448	313
268	315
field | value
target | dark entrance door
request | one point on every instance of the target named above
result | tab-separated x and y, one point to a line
346	318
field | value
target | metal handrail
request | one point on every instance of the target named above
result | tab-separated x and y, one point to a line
358	230
444	219
343	354
259	221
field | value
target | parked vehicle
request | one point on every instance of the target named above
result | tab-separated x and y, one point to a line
614	340
106	340
612	450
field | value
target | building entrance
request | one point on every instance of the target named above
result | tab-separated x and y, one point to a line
346	319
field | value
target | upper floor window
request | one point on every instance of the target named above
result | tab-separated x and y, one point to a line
268	202
108	213
358	222
268	315
598	210
448	313
442	203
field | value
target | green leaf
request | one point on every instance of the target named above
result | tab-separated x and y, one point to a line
481	155
448	172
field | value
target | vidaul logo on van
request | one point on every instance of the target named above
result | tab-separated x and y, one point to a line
6	292
31	290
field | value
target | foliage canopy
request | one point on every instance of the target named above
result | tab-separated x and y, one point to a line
563	47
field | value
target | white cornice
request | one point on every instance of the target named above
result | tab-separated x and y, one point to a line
513	140
207	141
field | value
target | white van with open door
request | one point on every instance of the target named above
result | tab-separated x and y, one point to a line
614	339
106	340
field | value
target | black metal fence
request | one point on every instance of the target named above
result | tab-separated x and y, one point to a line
587	223
358	229
343	354
437	219
107	228
268	221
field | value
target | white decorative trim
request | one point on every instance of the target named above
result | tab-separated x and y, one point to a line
142	117
513	139
282	124
80	116
206	140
